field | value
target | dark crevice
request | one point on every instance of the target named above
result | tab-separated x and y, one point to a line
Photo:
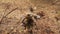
57	18
30	32
48	31
10	31
17	32
59	31
54	3
2	31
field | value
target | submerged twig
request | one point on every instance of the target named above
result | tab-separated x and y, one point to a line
7	14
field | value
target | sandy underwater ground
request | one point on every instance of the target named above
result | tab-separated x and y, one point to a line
29	16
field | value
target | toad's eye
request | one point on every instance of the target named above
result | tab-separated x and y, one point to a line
31	9
28	15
